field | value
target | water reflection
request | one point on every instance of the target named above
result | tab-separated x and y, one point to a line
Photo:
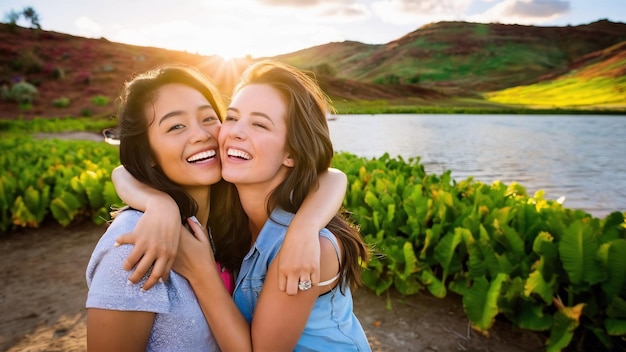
579	157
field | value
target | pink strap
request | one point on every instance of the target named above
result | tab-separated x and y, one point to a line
227	278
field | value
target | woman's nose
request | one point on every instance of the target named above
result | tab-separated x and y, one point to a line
200	133
237	130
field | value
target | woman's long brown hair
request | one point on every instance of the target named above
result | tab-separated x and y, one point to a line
309	144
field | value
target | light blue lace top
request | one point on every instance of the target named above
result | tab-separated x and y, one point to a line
179	324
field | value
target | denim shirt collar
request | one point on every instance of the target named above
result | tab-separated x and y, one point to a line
273	231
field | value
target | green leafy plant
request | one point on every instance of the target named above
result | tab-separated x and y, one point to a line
21	92
99	100
508	254
56	178
61	102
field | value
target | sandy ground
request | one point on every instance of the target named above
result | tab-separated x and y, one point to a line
43	290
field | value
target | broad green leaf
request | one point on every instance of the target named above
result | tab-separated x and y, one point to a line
544	245
391	213
481	301
432	237
407	286
531	316
506	264
64	208
376	282
93	186
577	250
482	259
616	268
111	199
617	308
410	261
565	321
376	219
445	249
612	225
516	244
372	200
37	200
7	189
615	327
536	283
22	216
433	284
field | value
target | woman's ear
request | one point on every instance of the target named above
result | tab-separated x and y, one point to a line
288	161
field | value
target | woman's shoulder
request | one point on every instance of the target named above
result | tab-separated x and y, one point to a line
123	223
125	215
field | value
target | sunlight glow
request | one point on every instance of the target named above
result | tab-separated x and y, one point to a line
225	72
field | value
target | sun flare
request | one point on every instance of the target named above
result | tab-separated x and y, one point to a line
225	72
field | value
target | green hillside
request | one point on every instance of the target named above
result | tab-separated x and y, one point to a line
462	58
595	80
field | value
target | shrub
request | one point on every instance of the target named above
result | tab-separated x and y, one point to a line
99	100
28	61
57	73
25	106
62	102
325	69
20	92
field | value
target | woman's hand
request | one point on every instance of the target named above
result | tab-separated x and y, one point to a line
156	237
298	259
195	254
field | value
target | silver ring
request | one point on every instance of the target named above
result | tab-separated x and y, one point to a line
304	285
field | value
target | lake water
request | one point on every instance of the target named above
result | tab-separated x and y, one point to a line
582	158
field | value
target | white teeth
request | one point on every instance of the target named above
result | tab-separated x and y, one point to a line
202	155
239	154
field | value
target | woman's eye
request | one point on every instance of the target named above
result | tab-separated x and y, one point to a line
175	127
210	119
230	118
260	125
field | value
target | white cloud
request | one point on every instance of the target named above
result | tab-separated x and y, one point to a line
304	3
88	28
524	11
344	13
419	11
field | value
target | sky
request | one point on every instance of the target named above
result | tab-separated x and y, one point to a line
236	28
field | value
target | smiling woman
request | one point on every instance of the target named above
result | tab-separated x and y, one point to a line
169	121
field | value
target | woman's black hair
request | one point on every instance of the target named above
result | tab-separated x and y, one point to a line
135	116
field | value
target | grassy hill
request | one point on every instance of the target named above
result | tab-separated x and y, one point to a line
79	69
597	79
445	64
464	56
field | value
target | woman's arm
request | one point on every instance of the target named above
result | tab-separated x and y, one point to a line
272	334
195	261
113	330
157	233
299	255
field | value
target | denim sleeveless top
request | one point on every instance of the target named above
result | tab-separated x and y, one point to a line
179	324
332	325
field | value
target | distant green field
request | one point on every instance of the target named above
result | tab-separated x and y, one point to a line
572	92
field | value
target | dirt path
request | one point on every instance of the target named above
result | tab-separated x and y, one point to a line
43	290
